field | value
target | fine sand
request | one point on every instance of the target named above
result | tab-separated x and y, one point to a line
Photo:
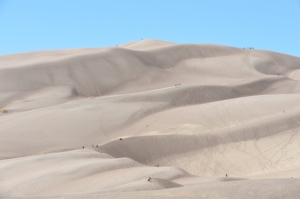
184	115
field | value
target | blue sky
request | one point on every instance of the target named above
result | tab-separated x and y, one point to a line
33	25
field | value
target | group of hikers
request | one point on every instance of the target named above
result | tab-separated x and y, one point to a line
92	146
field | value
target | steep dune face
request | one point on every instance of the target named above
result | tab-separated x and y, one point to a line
203	110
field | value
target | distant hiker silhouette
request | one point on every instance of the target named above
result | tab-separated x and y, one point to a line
120	139
149	179
83	147
157	165
226	175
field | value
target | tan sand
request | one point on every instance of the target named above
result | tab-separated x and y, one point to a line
199	111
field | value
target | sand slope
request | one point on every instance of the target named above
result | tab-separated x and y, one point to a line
199	111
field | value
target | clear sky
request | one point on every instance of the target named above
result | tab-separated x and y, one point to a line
31	25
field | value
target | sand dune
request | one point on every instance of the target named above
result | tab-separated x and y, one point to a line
199	111
82	171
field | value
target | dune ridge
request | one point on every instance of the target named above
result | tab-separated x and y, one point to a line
185	115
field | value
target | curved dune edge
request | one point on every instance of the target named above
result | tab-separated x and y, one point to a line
198	111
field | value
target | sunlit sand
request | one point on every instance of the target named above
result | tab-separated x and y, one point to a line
150	119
